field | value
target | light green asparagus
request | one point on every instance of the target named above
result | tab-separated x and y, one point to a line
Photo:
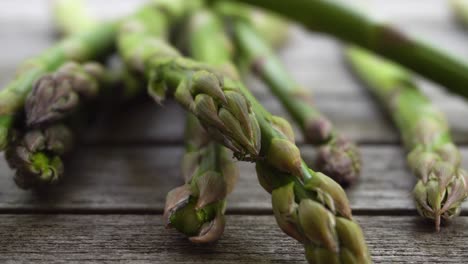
336	18
442	185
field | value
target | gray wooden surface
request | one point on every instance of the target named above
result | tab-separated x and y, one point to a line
108	209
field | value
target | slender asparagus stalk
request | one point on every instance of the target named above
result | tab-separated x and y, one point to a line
308	206
272	28
337	19
338	157
442	185
197	208
93	44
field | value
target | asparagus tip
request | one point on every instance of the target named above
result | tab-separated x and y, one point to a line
340	160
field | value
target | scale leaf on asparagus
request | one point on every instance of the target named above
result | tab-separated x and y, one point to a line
432	156
308	205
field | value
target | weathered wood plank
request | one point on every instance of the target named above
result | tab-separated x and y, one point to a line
138	178
247	239
314	60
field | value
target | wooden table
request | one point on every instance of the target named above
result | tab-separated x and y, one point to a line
109	207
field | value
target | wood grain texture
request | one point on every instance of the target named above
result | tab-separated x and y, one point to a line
247	239
359	118
138	179
108	208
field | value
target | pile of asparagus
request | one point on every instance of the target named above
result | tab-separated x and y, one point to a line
198	53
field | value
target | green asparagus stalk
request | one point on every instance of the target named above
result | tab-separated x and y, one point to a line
197	208
442	185
89	45
272	28
307	205
338	157
212	96
53	111
36	150
335	18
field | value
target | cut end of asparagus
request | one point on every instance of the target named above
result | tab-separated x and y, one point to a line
340	160
201	225
37	156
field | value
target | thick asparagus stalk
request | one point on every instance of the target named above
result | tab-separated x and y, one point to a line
336	18
442	185
308	205
197	208
89	45
338	157
213	97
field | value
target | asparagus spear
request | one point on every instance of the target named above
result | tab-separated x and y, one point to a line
442	185
89	45
308	205
57	95
36	151
337	19
197	208
338	157
213	97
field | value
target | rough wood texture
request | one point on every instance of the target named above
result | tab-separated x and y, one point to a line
138	178
247	239
108	208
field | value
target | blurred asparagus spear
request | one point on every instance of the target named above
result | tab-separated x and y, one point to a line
336	18
442	185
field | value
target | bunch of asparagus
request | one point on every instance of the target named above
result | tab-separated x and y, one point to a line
42	109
